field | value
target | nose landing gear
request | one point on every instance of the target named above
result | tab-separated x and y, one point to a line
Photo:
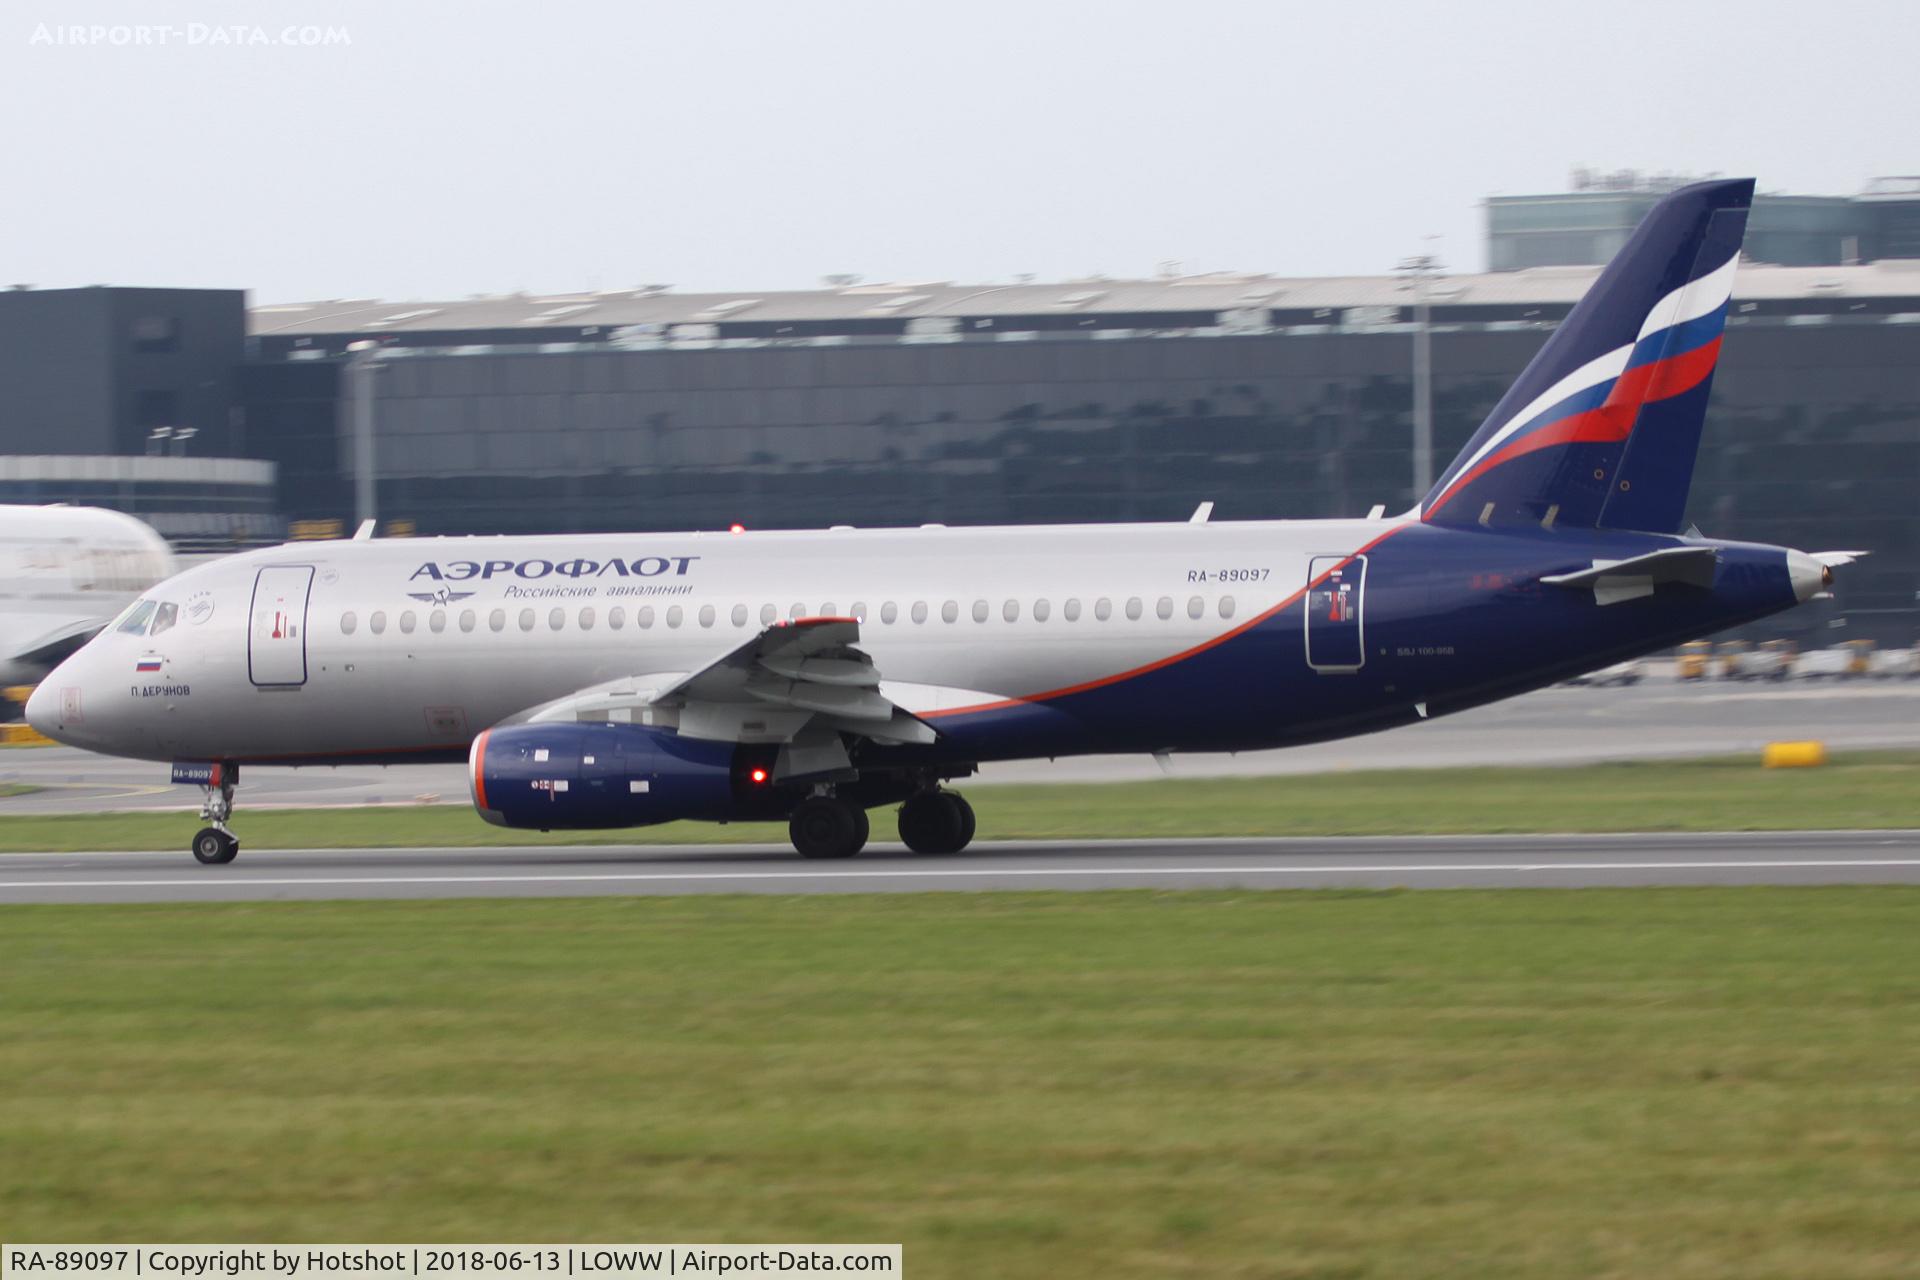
213	844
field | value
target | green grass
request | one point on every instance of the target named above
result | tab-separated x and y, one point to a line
1683	1083
16	789
1866	789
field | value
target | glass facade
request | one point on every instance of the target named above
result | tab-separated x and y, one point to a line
1814	439
1588	228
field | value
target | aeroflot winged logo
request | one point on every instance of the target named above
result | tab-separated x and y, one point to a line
578	567
442	596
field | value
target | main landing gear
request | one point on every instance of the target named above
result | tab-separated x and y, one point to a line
827	826
214	844
936	822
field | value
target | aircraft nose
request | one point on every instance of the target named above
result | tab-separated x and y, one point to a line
43	707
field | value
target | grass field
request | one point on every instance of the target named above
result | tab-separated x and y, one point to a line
1673	1083
1868	789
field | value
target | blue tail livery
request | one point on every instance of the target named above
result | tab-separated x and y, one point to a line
1602	428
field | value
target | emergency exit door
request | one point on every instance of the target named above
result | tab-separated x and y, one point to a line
1336	605
277	631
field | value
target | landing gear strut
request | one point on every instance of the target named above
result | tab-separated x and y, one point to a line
936	822
825	826
214	844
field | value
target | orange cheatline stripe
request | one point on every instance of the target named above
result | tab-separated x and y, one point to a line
1182	656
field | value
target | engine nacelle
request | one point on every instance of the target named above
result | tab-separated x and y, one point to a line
575	775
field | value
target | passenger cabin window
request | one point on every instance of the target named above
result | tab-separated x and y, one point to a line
1103	608
950	611
497	620
348	622
586	618
1196	607
858	612
919	611
739	615
767	614
980	610
888	612
706	615
1164	608
437	621
1041	610
378	622
1226	606
616	617
644	618
1010	611
406	621
674	615
526	619
467	619
1134	609
1072	610
556	618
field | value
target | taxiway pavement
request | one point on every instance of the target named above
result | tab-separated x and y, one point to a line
1424	862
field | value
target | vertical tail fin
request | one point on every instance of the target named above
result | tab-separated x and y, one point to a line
1602	428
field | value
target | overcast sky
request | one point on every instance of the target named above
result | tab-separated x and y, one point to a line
440	150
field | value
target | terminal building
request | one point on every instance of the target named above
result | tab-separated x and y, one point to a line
1587	225
1089	400
1083	401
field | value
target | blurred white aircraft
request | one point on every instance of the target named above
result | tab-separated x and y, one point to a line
64	573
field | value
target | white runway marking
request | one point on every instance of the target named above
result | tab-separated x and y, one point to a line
1429	868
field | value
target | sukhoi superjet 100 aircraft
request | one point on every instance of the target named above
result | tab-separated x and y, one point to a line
622	680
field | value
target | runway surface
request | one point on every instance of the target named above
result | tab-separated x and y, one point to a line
1425	862
1661	717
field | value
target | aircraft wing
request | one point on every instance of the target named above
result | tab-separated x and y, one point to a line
1613	581
54	646
801	684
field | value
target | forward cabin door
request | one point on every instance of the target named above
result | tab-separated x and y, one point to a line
277	631
1336	614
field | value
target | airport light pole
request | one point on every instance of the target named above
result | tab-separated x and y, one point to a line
1421	269
363	361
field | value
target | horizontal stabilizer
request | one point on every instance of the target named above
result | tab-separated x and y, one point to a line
1614	581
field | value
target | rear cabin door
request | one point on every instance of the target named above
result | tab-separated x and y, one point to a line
1336	611
277	630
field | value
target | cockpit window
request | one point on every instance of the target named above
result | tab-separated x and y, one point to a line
164	617
135	623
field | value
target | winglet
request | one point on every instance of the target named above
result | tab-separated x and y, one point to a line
365	532
1201	514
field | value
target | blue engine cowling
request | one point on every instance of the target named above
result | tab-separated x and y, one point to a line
573	775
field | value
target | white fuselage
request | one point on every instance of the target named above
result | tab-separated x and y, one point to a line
414	645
